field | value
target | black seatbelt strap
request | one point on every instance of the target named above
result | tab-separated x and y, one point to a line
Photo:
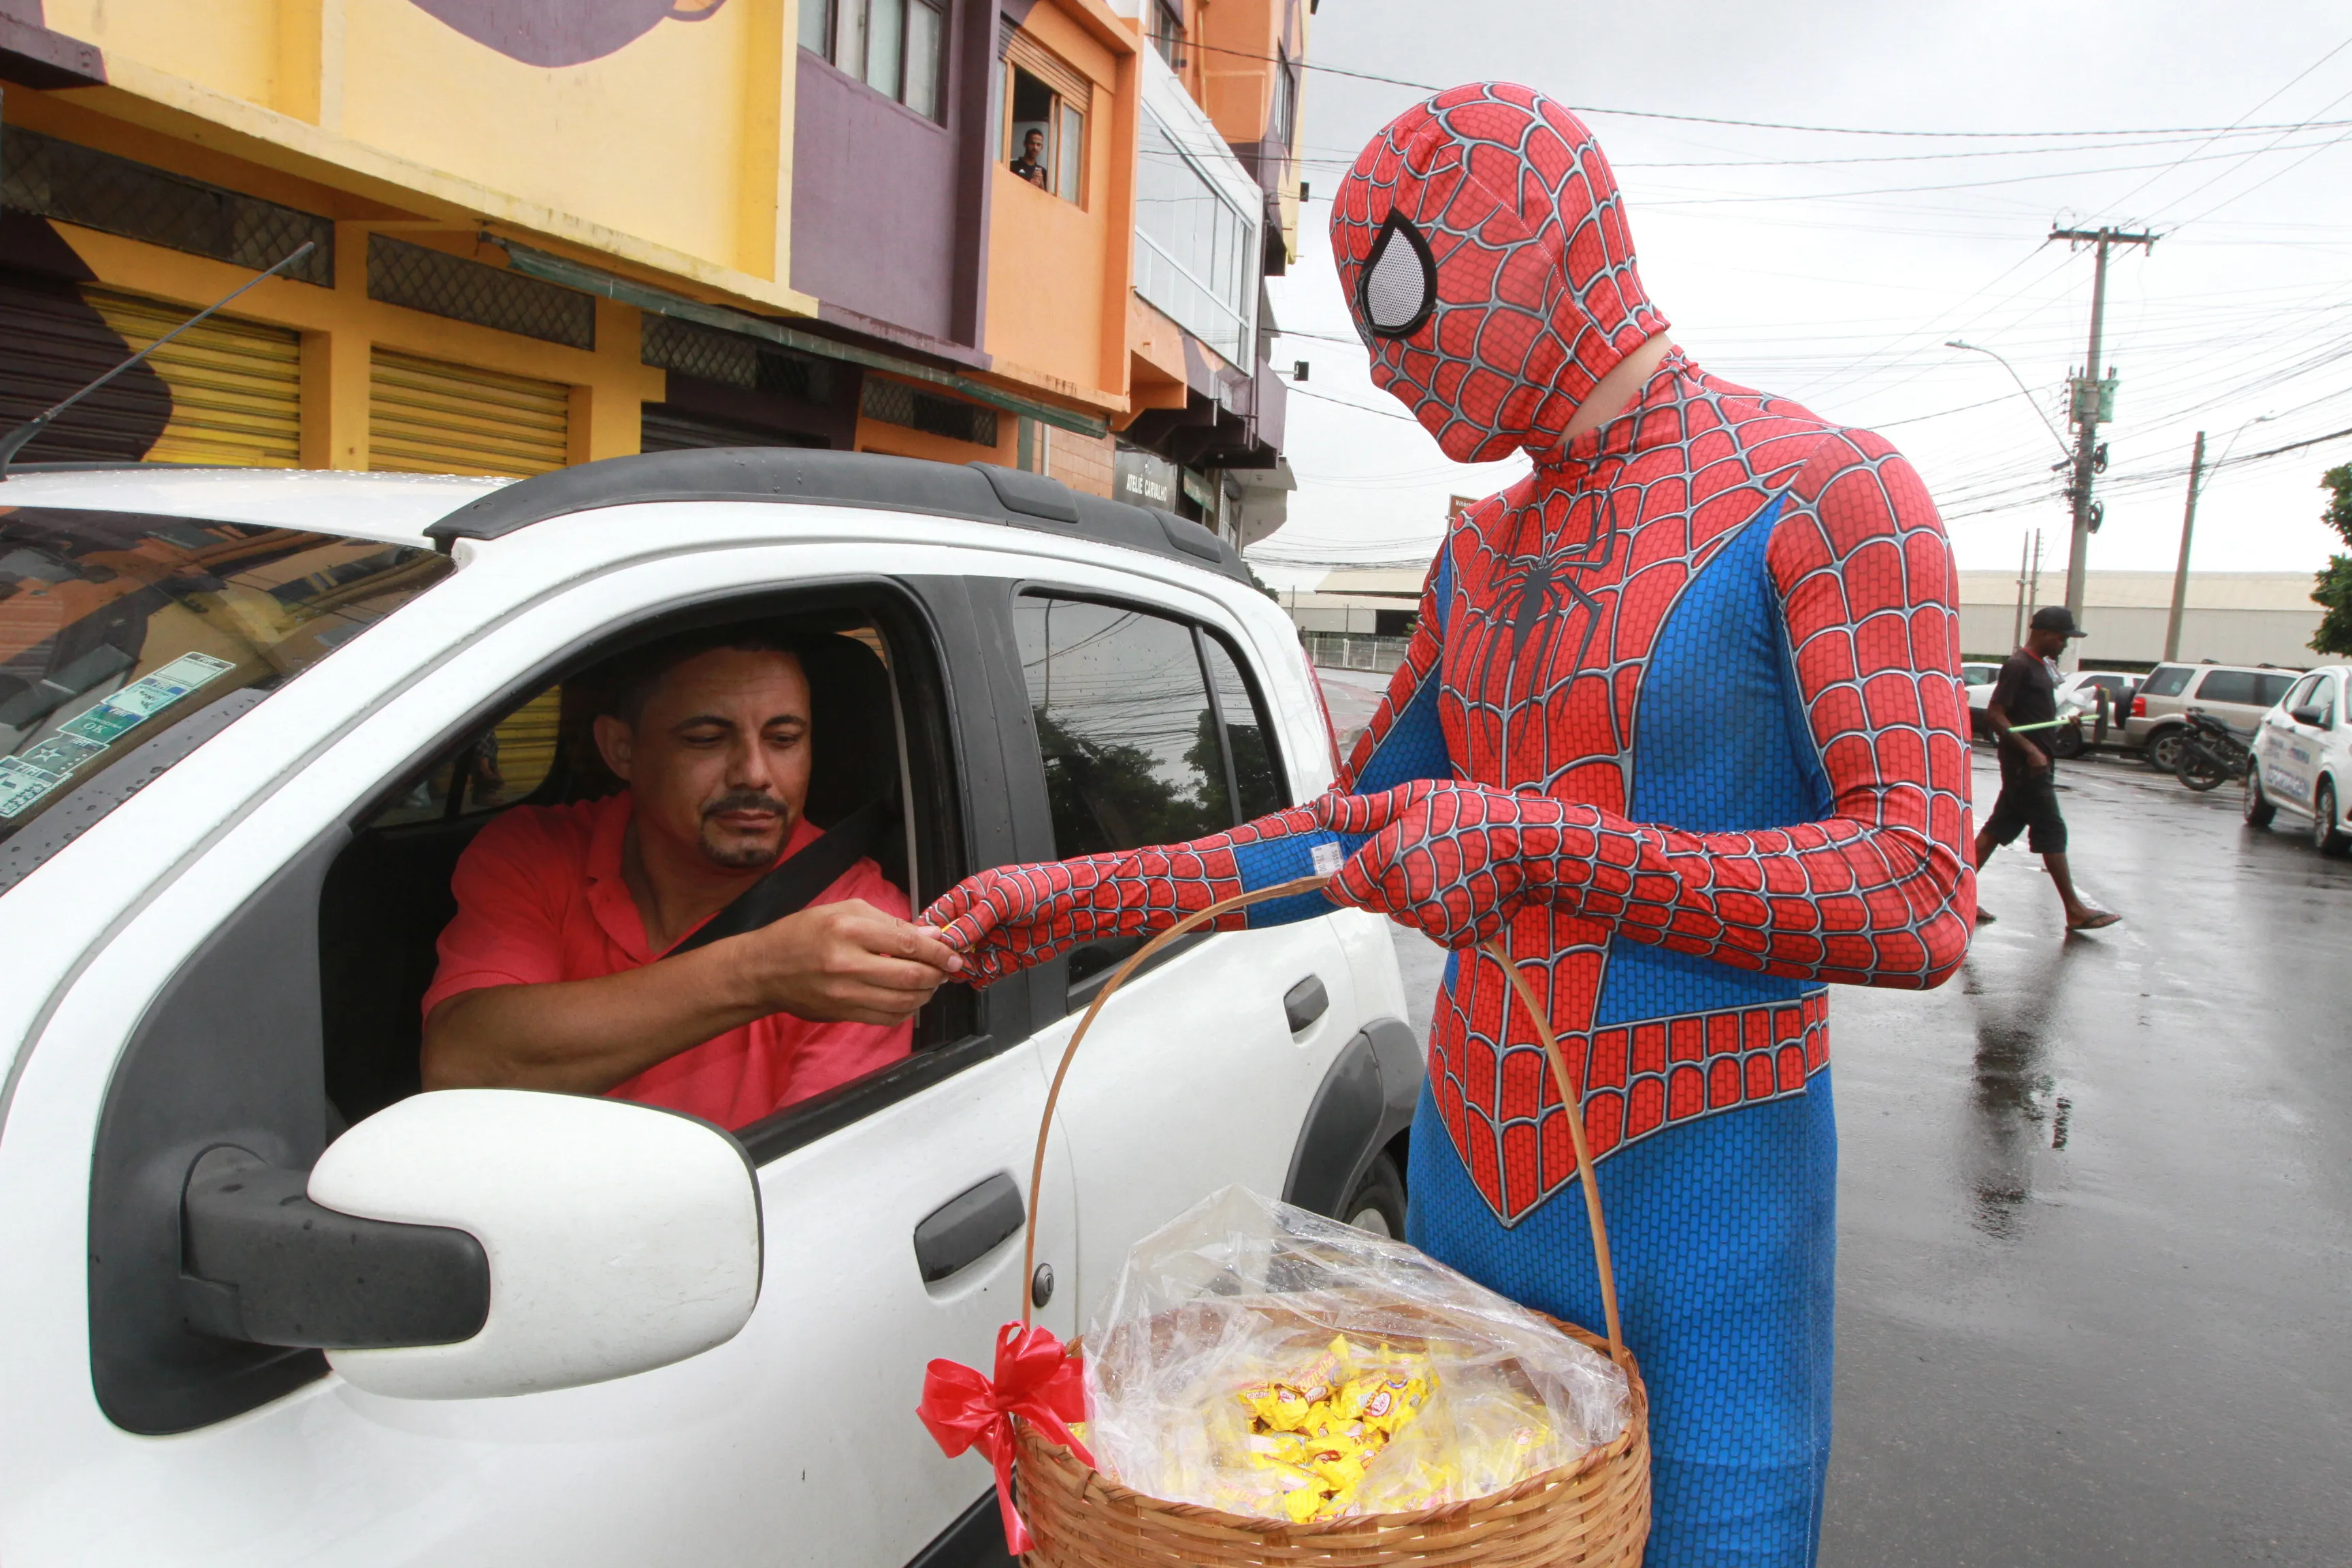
791	886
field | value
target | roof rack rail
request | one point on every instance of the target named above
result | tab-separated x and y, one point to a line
979	493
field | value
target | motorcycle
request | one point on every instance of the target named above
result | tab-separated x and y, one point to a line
2210	753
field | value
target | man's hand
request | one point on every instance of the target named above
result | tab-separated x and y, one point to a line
2035	757
843	962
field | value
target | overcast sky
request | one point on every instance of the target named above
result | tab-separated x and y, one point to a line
1837	283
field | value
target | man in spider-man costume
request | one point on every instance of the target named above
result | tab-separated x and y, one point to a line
1680	723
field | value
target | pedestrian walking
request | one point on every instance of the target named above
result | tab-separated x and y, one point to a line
2023	711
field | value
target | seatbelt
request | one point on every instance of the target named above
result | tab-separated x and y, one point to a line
791	886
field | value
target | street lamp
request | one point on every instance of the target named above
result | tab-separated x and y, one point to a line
2021	387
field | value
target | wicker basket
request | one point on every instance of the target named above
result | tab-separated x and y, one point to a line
1593	1513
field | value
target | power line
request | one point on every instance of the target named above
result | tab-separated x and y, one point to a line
1750	124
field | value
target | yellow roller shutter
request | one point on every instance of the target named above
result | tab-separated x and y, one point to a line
237	385
429	416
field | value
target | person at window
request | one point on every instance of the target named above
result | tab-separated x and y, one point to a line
547	976
1031	164
2023	711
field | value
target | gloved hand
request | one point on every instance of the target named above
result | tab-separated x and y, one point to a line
1013	917
1458	860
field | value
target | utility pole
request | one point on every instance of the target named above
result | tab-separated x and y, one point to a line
2017	627
2180	572
2033	583
2091	402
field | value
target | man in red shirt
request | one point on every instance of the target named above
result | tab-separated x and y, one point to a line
548	977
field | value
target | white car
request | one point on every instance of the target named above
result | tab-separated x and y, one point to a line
267	1304
2302	759
1976	681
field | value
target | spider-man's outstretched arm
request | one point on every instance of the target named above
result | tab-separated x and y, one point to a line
1015	916
1880	892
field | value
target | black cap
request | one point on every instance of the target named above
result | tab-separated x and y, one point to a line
2057	618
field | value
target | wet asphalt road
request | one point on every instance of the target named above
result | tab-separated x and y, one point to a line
2094	1271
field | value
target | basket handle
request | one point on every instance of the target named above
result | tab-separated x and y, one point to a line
1292	889
1573	1105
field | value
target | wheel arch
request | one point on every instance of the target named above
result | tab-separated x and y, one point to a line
1363	1108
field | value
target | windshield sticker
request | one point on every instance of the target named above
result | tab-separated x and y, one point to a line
22	784
61	754
144	698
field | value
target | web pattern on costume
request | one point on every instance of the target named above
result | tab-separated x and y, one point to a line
1538	626
1540	634
1010	918
1536	291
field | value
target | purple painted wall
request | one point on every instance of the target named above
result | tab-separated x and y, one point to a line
875	208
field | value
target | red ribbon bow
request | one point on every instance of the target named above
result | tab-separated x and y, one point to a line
1036	1378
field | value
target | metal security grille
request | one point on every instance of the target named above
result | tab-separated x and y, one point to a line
98	190
895	403
664	429
237	385
734	359
441	284
428	416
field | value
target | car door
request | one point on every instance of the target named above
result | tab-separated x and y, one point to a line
793	1443
1193	1077
2285	750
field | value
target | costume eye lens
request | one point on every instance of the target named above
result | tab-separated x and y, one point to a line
1400	282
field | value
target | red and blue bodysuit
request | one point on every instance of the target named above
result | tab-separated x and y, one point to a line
1680	723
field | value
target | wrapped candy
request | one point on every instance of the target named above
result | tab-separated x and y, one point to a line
1264	1361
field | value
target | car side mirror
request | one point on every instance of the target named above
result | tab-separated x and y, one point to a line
2310	715
467	1244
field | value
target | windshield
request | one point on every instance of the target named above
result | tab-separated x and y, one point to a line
126	639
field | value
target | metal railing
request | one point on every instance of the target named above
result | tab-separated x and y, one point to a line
1345	650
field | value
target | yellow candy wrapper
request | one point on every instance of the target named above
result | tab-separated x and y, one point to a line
1261	1360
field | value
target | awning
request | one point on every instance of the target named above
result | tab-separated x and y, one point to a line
571	274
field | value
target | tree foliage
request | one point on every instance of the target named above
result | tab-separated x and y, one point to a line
2334	581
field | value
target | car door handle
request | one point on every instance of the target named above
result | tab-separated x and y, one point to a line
966	1227
1306	1002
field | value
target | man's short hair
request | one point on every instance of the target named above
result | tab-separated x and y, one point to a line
631	678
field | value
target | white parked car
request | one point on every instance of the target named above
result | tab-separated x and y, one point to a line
1976	681
267	1304
2302	759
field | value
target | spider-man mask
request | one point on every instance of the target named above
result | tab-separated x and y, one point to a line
1482	243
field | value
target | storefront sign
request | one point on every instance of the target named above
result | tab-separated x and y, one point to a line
1141	479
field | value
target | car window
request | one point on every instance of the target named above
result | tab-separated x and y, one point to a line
2323	697
118	629
1150	734
1977	674
1248	737
499	767
1126	724
2304	692
2241	685
2168	680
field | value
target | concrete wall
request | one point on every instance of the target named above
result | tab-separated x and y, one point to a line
2232	617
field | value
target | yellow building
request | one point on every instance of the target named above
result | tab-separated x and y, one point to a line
546	231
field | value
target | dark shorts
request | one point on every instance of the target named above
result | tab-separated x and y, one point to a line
2027	804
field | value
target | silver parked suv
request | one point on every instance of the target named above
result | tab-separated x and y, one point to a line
2236	694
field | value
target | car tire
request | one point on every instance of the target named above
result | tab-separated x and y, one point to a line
1377	1203
2325	837
2259	808
2163	751
2066	742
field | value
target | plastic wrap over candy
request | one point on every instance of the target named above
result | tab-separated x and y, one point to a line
1267	1362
